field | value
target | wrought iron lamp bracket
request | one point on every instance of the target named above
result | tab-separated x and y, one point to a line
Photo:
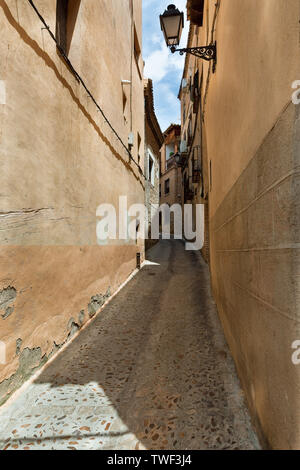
203	52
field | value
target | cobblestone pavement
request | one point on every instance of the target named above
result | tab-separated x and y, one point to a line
152	371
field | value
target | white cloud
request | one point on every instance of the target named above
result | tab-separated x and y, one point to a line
156	65
160	62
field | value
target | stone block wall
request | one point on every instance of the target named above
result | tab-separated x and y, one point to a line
255	275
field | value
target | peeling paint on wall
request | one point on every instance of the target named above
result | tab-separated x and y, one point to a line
30	360
18	346
97	301
73	328
81	317
7	297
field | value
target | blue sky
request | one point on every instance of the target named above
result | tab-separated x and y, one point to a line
161	65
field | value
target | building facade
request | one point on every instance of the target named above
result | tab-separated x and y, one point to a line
153	143
69	141
170	173
242	133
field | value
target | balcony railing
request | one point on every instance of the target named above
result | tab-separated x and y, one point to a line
170	163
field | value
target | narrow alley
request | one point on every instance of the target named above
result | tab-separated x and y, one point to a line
151	371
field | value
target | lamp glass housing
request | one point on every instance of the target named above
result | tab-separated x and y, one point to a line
177	158
172	23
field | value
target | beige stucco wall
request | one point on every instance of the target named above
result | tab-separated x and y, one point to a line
255	275
258	60
251	136
59	161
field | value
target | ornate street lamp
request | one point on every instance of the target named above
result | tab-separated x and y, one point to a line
178	159
172	23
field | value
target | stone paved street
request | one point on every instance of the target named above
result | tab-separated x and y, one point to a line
152	371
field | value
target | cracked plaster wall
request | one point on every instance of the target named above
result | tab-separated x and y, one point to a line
58	162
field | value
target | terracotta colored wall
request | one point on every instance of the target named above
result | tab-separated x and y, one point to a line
59	161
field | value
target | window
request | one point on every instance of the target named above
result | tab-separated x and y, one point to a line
61	23
196	92
139	141
137	51
167	186
196	83
151	168
170	150
124	102
125	106
190	131
196	12
66	16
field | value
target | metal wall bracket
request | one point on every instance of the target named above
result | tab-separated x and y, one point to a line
203	52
